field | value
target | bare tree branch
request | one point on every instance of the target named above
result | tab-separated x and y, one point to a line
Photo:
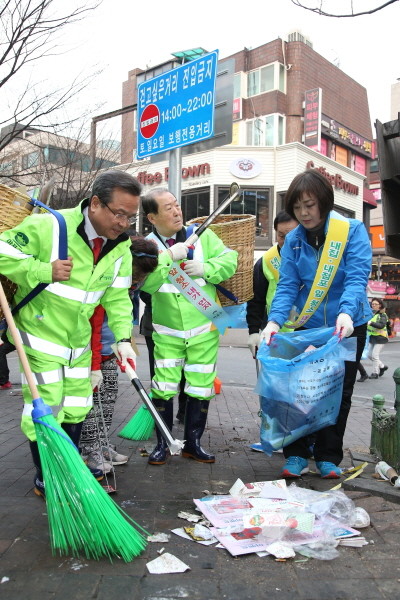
319	9
29	32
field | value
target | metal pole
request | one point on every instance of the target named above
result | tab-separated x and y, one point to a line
175	173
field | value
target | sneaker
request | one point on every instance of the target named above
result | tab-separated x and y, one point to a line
381	372
374	376
328	470
8	385
256	447
95	461
113	457
38	488
295	466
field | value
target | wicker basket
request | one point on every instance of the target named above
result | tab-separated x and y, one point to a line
237	232
14	208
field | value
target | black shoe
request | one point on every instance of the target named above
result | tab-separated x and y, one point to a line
382	370
374	376
363	378
38	488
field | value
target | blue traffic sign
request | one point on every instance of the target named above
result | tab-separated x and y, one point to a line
177	108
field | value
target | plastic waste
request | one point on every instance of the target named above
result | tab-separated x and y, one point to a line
361	518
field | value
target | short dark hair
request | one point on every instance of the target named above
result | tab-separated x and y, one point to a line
310	181
380	302
283	217
105	183
149	200
144	257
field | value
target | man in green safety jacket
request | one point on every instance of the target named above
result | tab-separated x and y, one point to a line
265	280
184	335
54	325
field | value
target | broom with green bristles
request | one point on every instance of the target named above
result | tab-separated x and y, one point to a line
82	517
140	427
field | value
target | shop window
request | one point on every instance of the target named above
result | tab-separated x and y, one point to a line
252	202
195	204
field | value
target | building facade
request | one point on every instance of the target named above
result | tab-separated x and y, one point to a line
292	108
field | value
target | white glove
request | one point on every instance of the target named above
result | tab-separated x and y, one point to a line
194	268
344	325
96	377
178	251
253	343
269	331
124	352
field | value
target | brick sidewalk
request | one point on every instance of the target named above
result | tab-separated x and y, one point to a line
153	496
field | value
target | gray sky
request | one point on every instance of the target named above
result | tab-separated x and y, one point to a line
121	35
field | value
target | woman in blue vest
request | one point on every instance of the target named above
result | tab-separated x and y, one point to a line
336	298
378	336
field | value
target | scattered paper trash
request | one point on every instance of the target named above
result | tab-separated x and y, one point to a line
280	550
166	563
4	579
180	531
189	516
159	537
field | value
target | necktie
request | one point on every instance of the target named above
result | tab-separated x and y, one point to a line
97	246
170	242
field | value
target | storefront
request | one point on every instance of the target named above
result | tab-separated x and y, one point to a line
264	175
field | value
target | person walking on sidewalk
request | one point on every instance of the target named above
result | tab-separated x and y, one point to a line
378	337
324	272
184	337
55	325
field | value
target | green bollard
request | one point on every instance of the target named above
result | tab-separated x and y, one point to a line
378	403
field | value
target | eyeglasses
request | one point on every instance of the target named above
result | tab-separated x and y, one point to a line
120	216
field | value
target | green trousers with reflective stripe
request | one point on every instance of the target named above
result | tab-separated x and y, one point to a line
196	355
69	388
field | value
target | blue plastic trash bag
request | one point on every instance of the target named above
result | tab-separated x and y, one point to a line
300	384
237	315
364	355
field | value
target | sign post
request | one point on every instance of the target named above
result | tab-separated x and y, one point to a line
176	109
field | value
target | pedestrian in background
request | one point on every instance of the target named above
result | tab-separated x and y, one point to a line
378	337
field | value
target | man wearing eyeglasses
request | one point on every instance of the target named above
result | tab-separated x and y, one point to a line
55	325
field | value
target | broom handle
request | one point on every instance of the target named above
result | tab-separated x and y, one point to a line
18	343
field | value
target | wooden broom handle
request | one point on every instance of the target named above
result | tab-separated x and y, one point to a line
18	343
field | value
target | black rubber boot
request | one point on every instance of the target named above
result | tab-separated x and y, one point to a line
38	479
182	399
74	432
195	422
165	408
